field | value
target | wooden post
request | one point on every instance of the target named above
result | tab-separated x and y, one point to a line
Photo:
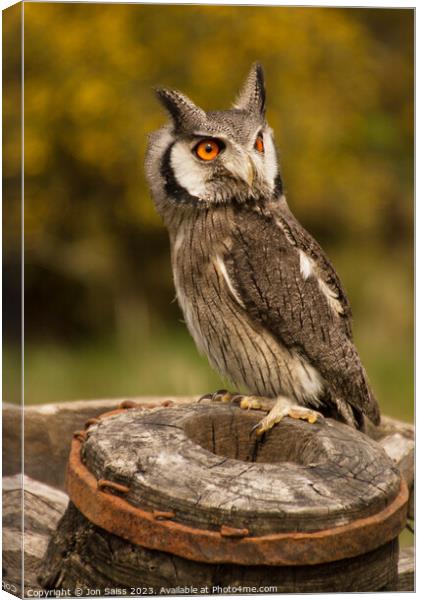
185	497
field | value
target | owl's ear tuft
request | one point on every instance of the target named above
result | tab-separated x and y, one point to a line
183	112
252	96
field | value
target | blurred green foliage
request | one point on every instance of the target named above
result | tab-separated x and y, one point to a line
99	316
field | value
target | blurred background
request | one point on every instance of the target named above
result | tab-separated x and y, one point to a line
100	320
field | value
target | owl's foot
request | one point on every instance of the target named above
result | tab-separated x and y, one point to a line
245	402
254	402
277	408
281	408
219	396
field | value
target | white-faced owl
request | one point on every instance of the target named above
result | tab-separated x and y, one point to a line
258	294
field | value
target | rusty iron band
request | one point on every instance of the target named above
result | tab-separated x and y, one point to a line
141	527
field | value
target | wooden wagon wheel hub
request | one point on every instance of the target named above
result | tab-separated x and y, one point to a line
193	482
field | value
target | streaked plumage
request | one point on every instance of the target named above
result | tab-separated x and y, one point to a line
258	294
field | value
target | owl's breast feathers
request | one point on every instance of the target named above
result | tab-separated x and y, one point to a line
264	303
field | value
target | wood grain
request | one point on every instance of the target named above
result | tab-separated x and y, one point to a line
43	507
200	462
120	565
406	570
48	433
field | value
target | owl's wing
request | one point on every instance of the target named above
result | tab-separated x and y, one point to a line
301	239
287	298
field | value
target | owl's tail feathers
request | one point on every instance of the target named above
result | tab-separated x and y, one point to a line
354	408
361	398
374	411
366	400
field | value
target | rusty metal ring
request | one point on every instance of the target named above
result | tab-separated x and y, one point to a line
117	516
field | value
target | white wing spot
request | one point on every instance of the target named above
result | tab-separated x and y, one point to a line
331	296
306	265
307	268
187	172
220	265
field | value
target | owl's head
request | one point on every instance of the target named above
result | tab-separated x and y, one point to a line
206	158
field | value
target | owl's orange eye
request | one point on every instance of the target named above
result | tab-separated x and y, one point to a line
207	149
259	145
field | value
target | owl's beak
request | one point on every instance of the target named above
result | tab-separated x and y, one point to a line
243	168
251	171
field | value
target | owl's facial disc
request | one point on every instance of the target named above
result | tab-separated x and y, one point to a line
217	166
219	156
209	148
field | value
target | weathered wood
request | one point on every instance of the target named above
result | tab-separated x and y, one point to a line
48	430
43	508
123	566
397	438
200	463
48	433
388	426
401	450
406	570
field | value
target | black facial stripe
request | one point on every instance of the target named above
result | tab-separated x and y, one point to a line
279	187
172	187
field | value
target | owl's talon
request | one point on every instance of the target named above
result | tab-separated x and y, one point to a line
256	430
236	399
244	402
222	396
218	396
205	397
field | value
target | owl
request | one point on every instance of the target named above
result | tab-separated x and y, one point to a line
259	296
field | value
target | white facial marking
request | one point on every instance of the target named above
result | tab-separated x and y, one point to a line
220	265
243	164
188	173
270	162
